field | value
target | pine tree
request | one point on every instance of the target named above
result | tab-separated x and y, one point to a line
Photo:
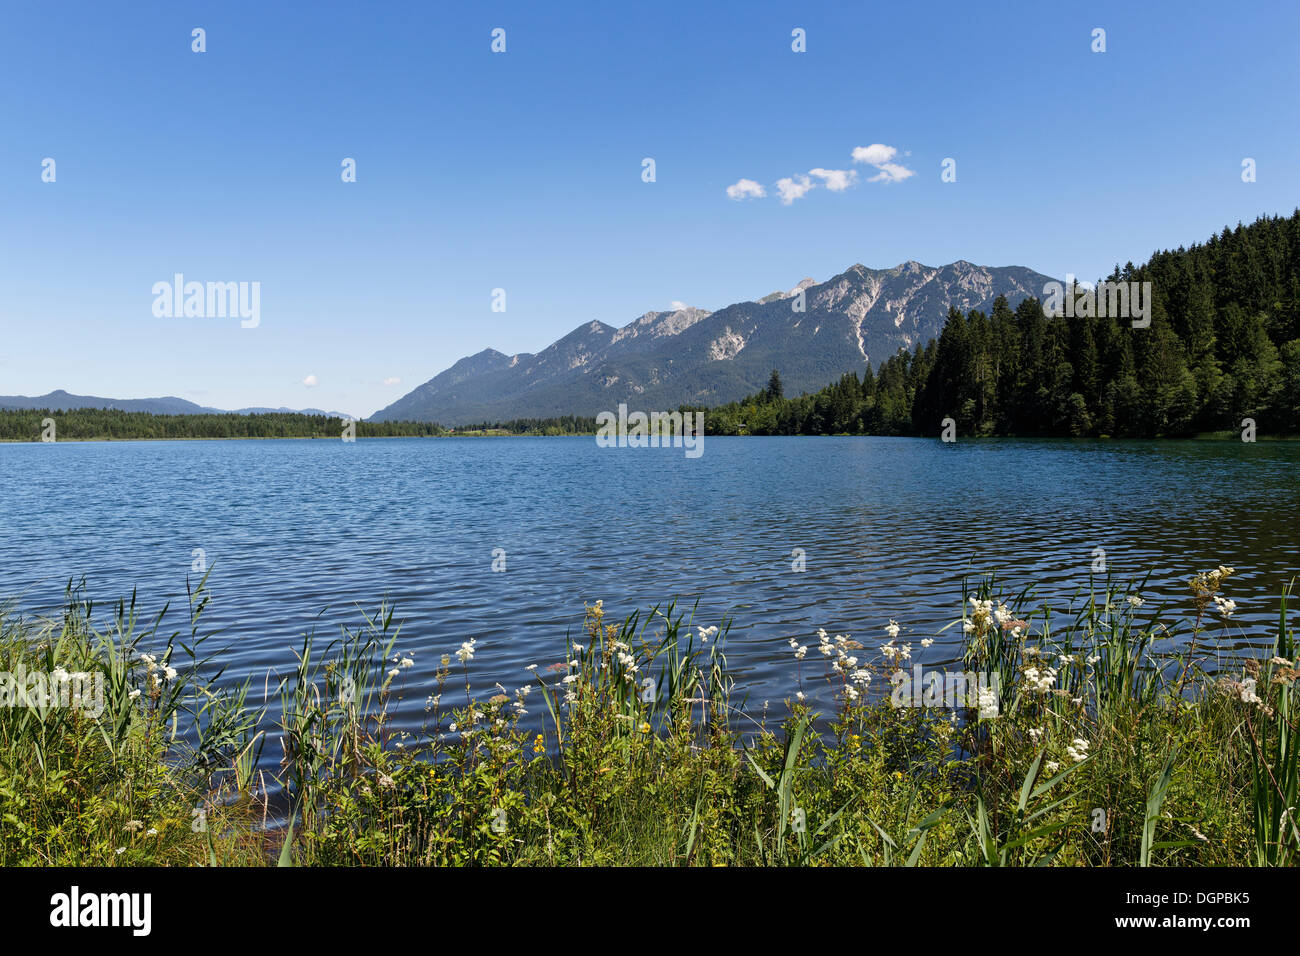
775	391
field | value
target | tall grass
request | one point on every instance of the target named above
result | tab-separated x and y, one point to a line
135	772
1109	747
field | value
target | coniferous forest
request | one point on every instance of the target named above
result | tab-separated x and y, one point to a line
1223	346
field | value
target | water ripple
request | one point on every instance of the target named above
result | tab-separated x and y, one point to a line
306	534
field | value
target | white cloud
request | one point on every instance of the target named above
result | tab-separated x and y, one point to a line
794	187
881	156
311	381
392	380
876	154
891	173
745	189
836	180
677	306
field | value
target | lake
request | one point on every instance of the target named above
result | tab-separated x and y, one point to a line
303	533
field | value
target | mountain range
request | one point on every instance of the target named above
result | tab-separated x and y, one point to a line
812	334
59	400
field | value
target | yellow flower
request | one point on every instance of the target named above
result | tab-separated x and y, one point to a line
539	744
645	726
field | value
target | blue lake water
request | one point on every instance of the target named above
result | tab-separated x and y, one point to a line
304	533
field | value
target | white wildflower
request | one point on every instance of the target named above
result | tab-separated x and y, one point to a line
1040	679
988	702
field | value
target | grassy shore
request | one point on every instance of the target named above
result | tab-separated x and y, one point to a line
1091	747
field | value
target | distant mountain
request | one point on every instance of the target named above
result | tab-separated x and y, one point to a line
664	359
60	400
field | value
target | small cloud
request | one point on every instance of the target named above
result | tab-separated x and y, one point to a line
875	154
745	189
891	173
311	381
881	156
793	187
392	380
677	306
836	180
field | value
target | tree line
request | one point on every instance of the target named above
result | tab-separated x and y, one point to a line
108	424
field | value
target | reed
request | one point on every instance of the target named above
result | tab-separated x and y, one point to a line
1114	743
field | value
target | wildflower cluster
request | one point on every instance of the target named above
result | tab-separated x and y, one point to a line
1205	587
1040	677
853	675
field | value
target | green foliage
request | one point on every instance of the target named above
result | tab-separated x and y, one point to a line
644	756
99	776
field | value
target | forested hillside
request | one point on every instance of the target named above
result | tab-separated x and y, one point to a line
1223	345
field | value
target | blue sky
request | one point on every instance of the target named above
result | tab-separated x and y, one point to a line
523	170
